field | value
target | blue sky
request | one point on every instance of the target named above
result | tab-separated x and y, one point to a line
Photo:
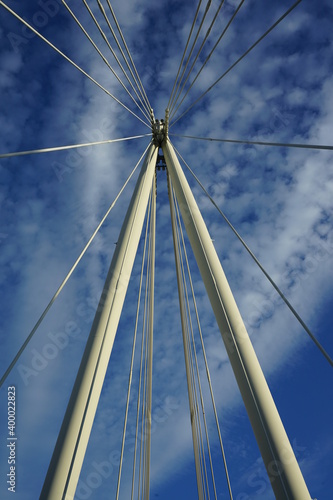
279	199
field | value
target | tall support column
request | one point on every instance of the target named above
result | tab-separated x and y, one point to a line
281	465
65	466
150	345
185	344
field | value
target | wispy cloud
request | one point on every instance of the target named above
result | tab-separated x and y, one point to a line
279	199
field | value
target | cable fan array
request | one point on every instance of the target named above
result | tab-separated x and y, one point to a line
201	32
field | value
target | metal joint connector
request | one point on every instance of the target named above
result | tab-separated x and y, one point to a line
158	130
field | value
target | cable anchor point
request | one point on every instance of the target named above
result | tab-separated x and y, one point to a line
158	131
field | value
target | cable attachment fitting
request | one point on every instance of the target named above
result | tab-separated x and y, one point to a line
152	117
158	130
166	127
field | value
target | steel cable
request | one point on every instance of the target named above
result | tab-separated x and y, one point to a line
140	378
132	356
198	54
128	52
39	321
184	329
191	350
72	146
110	48
143	358
70	61
209	55
103	58
258	143
238	60
209	2
258	409
144	104
184	53
197	368
275	286
206	363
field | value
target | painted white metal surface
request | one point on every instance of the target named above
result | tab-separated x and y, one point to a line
281	465
65	466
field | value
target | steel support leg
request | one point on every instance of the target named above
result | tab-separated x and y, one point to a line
281	465
65	466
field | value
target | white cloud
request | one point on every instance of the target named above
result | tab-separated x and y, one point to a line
278	199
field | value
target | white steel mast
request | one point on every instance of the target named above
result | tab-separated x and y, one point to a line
65	466
279	459
278	456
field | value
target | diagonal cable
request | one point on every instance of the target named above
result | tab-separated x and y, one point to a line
144	388
249	383
132	358
150	337
184	329
46	310
72	146
258	143
210	54
239	59
275	286
187	340
209	2
140	374
144	104
205	357
70	61
143	370
128	52
110	47
198	54
194	348
192	372
184	53
104	58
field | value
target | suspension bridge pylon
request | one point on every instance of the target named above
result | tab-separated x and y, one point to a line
279	459
66	462
68	455
282	467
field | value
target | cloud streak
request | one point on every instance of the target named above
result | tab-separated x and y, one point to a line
280	200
